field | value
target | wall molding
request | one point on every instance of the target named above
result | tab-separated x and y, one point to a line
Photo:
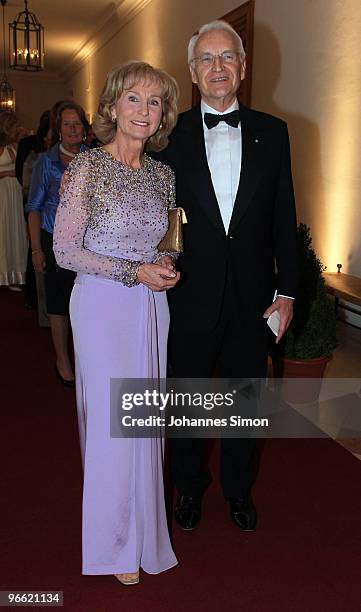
123	12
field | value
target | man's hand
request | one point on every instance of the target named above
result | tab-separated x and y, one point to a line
167	262
157	277
285	309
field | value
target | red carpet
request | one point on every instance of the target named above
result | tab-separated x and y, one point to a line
305	555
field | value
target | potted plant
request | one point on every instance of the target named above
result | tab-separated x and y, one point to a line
311	338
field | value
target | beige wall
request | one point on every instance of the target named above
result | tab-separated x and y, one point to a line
35	93
307	67
159	34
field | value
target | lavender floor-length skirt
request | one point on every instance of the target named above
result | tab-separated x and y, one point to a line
119	332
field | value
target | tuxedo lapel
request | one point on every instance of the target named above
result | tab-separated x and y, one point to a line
252	155
201	177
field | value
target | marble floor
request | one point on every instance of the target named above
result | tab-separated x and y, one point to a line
346	364
346	361
337	411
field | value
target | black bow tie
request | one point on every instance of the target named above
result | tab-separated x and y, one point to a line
212	120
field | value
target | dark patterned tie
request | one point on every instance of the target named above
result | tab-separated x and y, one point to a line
212	120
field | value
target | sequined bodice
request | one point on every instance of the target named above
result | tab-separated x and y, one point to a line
111	215
128	208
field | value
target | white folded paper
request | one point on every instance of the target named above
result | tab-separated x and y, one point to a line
273	320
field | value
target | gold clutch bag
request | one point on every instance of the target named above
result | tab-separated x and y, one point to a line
172	242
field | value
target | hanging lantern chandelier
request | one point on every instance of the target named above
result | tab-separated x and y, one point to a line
7	93
26	42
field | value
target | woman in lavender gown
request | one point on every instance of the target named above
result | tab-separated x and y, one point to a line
111	217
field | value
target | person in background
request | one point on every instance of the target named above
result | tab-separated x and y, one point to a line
112	215
13	238
53	134
41	144
29	149
43	200
32	142
22	132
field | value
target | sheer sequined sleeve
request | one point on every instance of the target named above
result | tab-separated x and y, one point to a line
171	204
71	223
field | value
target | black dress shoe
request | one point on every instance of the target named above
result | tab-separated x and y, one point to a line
67	383
243	514
187	511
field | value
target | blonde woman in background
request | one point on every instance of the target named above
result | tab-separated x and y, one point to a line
13	239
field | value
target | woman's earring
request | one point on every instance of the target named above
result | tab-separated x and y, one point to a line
114	119
59	136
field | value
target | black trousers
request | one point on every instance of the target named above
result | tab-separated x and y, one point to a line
58	281
235	354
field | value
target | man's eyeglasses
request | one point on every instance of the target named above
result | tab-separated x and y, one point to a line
208	59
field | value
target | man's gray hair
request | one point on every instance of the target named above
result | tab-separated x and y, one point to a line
215	25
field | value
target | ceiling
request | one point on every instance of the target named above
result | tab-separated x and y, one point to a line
68	25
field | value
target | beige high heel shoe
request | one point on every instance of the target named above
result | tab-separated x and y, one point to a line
127	579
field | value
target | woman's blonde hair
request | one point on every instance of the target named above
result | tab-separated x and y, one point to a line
8	120
124	77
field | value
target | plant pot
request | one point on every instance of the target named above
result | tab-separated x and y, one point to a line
293	372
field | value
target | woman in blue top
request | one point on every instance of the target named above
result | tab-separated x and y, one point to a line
42	205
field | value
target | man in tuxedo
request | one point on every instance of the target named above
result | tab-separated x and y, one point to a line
233	178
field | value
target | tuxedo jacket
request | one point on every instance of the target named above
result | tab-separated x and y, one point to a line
262	234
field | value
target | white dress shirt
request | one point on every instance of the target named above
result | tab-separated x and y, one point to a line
224	157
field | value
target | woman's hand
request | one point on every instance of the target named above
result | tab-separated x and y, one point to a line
39	261
158	277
